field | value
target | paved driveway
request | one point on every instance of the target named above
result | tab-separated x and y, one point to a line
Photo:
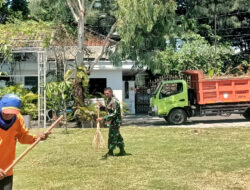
193	122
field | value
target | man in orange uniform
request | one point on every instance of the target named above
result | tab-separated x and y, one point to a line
12	128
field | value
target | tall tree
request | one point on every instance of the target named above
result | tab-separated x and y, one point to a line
95	14
228	19
143	27
51	11
101	18
4	11
20	5
80	9
12	9
193	53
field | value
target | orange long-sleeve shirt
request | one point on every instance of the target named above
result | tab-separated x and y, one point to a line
8	139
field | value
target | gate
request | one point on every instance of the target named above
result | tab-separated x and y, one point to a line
142	98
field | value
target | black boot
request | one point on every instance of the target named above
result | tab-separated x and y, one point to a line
122	152
109	153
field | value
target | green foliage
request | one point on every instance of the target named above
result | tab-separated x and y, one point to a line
51	10
240	64
3	74
5	53
98	19
13	9
143	26
26	30
81	81
53	96
20	6
124	108
86	113
58	95
210	8
28	99
83	111
29	104
195	54
227	20
230	18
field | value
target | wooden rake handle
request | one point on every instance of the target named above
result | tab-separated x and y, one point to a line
33	145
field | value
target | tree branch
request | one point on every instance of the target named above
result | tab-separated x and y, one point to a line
90	7
3	61
104	48
72	10
80	2
5	56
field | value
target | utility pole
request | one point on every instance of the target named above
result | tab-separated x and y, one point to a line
215	32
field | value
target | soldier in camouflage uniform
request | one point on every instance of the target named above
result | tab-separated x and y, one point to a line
113	121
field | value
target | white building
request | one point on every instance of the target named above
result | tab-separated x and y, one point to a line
120	78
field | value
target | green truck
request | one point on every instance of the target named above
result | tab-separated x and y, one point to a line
177	100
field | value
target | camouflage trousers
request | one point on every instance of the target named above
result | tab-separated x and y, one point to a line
115	138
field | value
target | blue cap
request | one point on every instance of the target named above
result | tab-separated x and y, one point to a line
10	104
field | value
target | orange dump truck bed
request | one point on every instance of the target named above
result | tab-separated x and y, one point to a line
219	90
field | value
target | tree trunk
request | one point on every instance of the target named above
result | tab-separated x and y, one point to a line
80	40
65	115
81	37
78	93
54	116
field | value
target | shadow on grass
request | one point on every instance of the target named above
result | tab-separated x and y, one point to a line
127	154
116	155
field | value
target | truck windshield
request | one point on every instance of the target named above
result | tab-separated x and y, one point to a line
156	90
169	89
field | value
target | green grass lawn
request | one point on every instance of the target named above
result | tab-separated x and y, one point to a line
162	158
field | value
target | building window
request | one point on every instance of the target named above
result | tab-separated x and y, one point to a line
31	81
97	86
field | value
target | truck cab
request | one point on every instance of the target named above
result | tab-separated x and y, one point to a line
170	101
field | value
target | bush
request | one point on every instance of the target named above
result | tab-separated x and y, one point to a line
28	99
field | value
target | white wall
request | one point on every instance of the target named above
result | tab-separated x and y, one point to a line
114	80
131	100
22	69
104	69
26	68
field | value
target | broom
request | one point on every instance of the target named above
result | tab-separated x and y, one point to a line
98	141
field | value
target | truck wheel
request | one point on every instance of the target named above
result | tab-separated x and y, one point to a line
247	114
177	117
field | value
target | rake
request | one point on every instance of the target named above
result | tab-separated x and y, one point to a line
32	146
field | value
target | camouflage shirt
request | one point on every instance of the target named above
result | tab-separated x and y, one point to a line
113	117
